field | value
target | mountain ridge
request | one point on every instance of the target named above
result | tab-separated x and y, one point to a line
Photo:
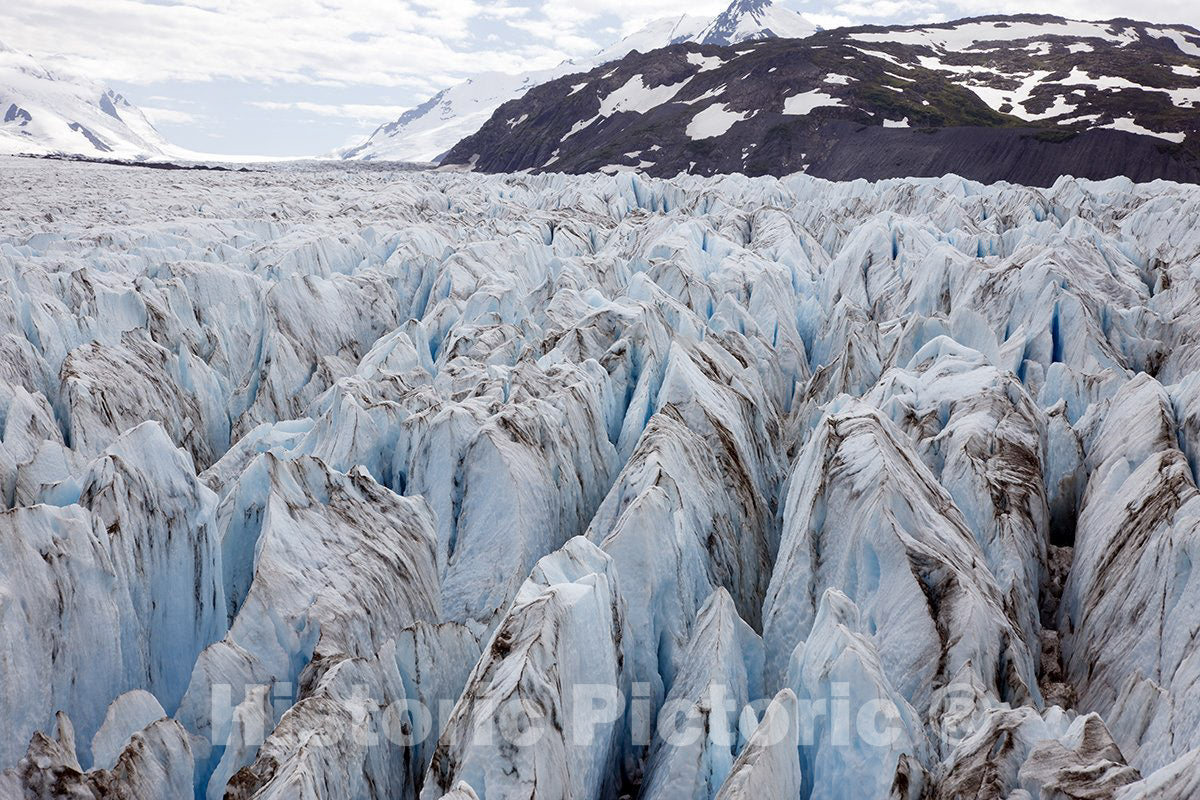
1027	85
428	131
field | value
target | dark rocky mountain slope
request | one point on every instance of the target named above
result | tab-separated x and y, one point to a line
1019	98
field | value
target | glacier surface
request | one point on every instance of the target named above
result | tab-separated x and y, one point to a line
355	483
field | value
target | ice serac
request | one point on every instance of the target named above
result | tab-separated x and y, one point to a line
159	522
462	791
138	556
980	433
109	389
530	476
886	749
341	565
1053	754
300	354
156	763
1179	779
721	675
1127	644
128	714
768	768
64	646
560	643
360	724
692	510
864	514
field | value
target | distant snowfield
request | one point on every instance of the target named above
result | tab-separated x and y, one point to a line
290	457
45	112
1065	95
177	154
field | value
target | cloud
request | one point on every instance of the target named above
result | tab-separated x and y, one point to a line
170	116
412	45
890	8
300	41
359	112
831	20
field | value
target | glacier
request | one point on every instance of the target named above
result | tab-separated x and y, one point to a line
325	481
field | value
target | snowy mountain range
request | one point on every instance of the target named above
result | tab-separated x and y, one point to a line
44	112
346	483
1019	98
426	132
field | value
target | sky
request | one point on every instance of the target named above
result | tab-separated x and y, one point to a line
303	77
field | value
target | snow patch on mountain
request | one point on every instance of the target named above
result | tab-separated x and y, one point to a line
805	102
1130	125
714	120
1003	98
635	96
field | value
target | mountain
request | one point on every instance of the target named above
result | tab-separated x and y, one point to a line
426	132
750	20
43	112
367	484
1019	98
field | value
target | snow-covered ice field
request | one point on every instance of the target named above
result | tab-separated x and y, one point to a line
359	483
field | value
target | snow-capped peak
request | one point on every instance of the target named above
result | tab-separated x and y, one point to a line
747	20
655	34
43	112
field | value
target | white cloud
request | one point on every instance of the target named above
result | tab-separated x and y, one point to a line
407	44
411	45
170	116
359	112
300	41
890	8
831	20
